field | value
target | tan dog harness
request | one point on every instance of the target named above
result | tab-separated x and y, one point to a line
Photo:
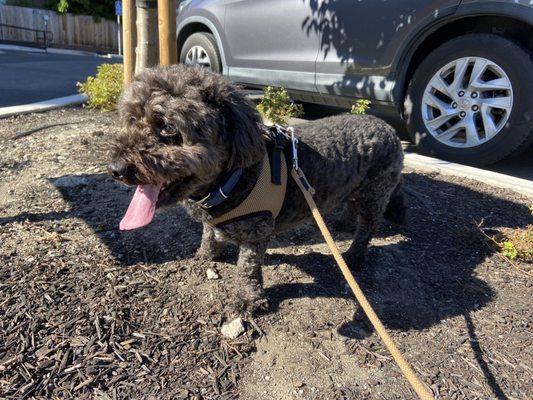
264	197
268	193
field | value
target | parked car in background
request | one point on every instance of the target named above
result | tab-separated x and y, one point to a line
460	73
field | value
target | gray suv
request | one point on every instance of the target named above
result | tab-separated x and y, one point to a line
460	73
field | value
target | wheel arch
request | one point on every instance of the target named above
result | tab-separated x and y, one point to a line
515	26
197	24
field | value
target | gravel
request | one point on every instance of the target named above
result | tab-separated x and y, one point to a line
233	329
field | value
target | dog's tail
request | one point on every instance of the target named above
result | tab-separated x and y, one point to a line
396	210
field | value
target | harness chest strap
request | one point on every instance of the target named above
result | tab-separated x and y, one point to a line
266	196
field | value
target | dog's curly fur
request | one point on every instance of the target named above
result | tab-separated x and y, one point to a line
186	127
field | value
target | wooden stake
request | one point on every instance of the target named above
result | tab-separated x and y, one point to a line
129	38
147	54
166	11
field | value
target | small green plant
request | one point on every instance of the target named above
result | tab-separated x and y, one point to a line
105	88
517	243
360	107
509	250
277	107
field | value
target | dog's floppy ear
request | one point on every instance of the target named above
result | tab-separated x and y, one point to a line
240	128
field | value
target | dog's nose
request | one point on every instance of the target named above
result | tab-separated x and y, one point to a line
119	170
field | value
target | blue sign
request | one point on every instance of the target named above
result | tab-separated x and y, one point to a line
118	8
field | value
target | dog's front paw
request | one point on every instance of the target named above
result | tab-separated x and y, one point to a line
205	255
248	304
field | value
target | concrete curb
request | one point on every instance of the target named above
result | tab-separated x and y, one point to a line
70	52
519	185
53	50
43	105
15	47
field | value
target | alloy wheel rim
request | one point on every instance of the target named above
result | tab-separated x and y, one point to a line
197	56
467	102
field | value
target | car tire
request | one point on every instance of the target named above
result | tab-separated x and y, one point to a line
200	49
503	120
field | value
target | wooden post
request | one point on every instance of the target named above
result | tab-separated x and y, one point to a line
129	38
166	12
147	39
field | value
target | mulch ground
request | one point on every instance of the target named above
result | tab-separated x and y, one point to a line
87	312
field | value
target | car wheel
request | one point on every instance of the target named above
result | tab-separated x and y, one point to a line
470	100
200	49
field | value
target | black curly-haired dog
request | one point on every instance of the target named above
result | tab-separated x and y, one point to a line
185	128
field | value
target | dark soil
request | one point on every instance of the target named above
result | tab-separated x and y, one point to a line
87	312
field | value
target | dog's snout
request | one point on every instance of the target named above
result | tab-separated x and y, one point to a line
120	170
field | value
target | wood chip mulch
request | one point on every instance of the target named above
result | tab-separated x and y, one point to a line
111	336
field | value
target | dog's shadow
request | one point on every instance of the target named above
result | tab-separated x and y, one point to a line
424	276
415	282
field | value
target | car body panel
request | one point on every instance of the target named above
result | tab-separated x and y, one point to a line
355	58
277	51
331	51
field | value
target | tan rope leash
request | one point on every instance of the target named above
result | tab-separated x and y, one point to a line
406	369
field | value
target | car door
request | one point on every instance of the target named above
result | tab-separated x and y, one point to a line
359	41
268	44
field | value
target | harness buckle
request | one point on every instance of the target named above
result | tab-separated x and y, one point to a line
280	137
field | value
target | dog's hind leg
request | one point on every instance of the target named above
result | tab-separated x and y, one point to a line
210	248
368	204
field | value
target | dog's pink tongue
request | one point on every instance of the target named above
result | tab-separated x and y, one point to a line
142	207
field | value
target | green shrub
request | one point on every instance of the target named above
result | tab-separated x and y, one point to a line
105	88
277	107
360	107
98	9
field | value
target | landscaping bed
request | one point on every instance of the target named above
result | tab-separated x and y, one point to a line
88	312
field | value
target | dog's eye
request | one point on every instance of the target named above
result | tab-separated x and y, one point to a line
169	132
132	120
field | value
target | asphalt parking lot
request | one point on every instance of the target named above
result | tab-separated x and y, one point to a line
28	77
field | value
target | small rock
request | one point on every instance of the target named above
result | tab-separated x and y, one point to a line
211	274
71	181
233	329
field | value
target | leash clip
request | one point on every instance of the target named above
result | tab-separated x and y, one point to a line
297	173
294	142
